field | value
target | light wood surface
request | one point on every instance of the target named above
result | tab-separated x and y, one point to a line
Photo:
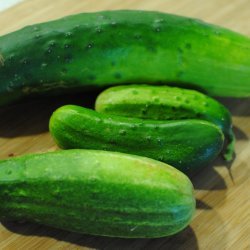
222	191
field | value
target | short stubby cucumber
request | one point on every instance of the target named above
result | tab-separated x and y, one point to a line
95	50
96	192
166	103
184	144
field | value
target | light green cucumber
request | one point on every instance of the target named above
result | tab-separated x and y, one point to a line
184	144
166	103
96	192
95	50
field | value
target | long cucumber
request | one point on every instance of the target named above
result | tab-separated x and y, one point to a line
95	50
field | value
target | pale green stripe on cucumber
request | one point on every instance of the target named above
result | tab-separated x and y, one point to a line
166	103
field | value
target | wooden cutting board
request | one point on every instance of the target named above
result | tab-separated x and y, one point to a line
221	190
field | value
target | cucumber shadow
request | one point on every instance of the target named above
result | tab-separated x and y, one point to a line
237	106
207	178
31	116
185	239
213	180
239	134
202	205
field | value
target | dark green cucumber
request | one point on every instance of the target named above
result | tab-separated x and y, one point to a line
166	103
184	144
96	192
96	50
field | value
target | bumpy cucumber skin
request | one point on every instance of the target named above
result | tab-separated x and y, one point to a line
184	144
96	192
166	103
96	50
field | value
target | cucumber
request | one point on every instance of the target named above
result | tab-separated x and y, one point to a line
166	103
96	192
184	144
95	50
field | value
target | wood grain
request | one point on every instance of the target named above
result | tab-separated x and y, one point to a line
222	191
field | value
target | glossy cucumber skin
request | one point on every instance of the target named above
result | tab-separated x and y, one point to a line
166	103
184	144
95	50
96	192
